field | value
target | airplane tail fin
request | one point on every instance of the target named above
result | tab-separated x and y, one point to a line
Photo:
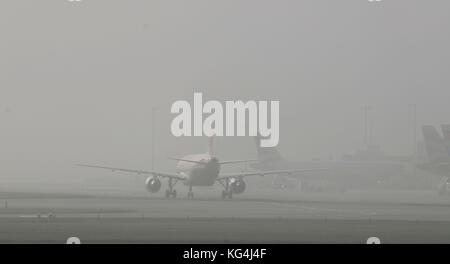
266	154
435	145
446	133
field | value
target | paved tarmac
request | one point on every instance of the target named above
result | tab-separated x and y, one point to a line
272	217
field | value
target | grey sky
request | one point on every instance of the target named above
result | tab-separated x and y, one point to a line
78	80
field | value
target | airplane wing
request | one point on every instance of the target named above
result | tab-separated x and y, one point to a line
154	173
263	173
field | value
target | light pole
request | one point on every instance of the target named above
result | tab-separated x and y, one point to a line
367	126
415	128
154	109
413	109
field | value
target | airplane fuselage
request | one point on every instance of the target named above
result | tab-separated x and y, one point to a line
203	173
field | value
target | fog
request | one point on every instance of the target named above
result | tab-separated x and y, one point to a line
79	80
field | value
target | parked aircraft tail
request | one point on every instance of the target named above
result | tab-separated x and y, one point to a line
435	146
446	133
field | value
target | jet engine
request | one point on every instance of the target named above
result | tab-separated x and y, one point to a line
237	186
153	184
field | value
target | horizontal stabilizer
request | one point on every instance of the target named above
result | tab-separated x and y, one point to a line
236	161
186	160
205	162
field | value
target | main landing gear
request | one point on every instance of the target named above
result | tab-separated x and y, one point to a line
171	192
227	193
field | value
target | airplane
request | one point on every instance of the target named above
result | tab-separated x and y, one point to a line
339	175
199	170
438	156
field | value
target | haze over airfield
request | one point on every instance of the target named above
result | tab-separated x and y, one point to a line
78	80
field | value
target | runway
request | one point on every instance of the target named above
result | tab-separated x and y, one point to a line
413	217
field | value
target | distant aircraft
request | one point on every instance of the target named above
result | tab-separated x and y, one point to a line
339	174
446	133
199	170
438	156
